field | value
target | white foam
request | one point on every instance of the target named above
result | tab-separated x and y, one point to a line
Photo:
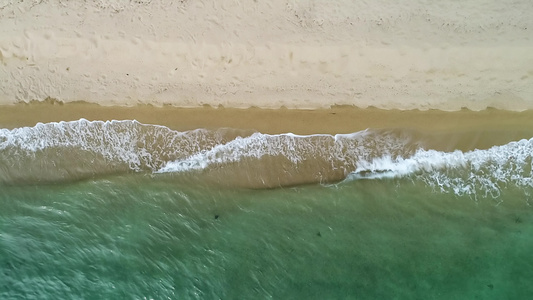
254	146
422	160
369	154
140	146
342	150
478	172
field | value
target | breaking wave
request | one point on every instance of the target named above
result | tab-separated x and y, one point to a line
79	149
480	172
53	152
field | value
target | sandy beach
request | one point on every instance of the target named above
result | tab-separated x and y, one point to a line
294	54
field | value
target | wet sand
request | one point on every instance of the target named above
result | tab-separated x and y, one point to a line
338	119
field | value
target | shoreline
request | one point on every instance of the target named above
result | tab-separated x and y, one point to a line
335	120
463	130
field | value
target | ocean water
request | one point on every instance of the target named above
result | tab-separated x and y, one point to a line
124	210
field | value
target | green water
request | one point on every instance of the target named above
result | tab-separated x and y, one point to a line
149	237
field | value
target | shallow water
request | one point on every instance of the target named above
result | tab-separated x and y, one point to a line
136	237
96	210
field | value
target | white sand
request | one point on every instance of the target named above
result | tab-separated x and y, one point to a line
241	53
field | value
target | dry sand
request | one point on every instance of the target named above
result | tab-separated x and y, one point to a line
240	53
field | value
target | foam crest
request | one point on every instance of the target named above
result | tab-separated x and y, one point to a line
56	151
80	149
479	173
341	151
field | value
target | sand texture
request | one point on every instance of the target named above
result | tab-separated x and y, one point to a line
299	54
338	119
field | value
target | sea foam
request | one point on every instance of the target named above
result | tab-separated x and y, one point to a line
479	172
81	149
77	149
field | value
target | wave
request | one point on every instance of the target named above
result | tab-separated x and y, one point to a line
78	149
55	152
263	160
483	173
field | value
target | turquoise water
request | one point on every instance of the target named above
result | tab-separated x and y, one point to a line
401	220
135	237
